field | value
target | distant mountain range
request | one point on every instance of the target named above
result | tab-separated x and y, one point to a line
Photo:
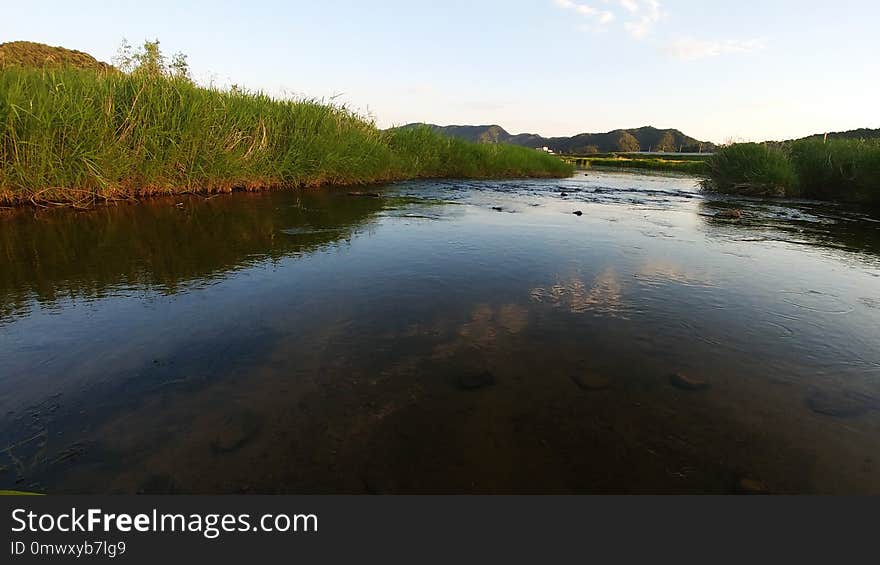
639	139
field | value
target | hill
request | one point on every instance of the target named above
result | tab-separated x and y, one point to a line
861	133
38	55
638	139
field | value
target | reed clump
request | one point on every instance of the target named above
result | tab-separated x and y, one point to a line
846	170
79	136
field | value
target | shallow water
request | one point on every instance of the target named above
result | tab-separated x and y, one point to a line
451	336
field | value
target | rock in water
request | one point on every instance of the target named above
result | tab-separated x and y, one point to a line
591	381
578	213
687	382
730	214
475	381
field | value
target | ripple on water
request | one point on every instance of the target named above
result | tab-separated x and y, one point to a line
308	231
816	301
782	331
841	403
699	334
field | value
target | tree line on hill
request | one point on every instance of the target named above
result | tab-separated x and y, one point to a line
621	140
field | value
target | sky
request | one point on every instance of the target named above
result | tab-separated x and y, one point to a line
719	70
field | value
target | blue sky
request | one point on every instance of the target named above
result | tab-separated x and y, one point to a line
718	70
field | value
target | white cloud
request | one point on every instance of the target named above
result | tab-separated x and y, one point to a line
690	49
599	16
630	6
639	16
646	15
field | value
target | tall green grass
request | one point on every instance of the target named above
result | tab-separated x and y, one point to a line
839	169
79	136
751	168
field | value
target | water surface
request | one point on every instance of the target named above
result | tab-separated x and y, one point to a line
449	336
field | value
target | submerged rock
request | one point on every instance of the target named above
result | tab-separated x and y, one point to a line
591	381
748	485
236	433
365	194
841	404
476	381
687	382
734	214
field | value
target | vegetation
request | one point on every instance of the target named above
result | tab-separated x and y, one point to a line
861	133
38	56
666	143
637	155
841	169
751	168
645	138
689	164
837	169
626	142
77	136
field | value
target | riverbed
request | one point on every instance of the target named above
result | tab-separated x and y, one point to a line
607	333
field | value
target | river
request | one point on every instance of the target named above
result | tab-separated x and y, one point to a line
443	337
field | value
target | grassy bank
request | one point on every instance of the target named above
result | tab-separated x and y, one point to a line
689	165
80	136
846	170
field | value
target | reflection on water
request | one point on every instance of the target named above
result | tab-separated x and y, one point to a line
161	245
662	272
448	337
813	224
603	297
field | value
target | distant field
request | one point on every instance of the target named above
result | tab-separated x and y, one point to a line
644	155
689	164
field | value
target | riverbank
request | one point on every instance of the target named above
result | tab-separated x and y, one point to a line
78	137
693	165
844	170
